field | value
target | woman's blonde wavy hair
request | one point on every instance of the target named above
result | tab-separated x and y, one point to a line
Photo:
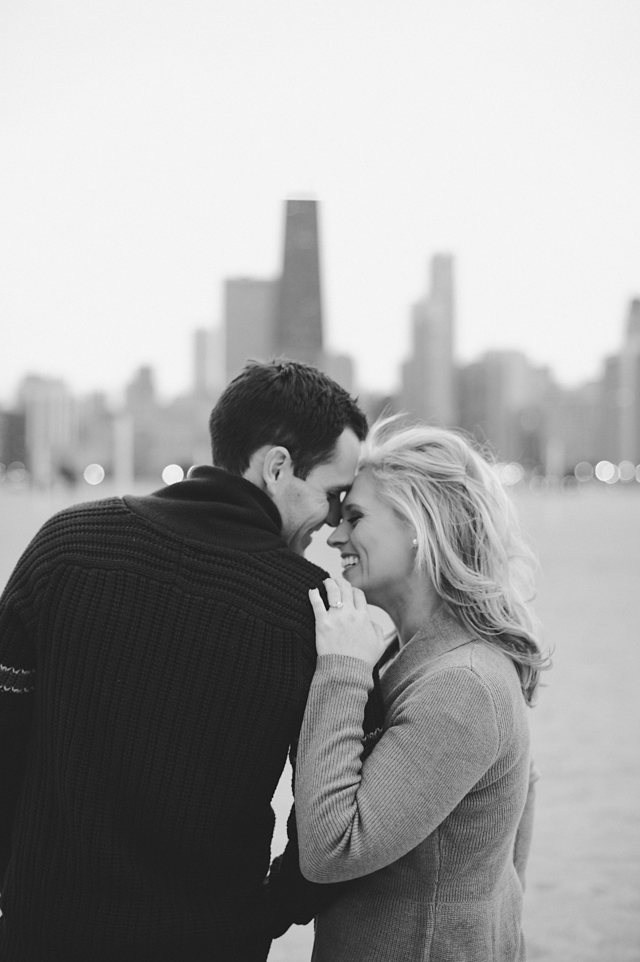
469	540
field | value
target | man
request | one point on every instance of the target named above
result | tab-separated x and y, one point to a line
156	654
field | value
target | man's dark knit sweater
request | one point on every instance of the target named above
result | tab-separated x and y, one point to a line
155	656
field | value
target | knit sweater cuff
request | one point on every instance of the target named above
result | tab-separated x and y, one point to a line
345	670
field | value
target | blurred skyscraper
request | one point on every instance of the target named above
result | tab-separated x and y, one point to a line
160	433
340	367
143	409
502	403
12	438
208	363
609	414
629	397
428	377
283	317
249	313
298	321
51	428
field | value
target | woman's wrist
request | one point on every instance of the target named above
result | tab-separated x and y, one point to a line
345	671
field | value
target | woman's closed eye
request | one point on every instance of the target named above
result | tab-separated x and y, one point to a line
353	519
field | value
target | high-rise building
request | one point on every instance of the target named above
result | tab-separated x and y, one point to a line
340	368
629	396
12	439
609	411
51	428
249	309
95	432
298	317
429	384
502	402
143	407
208	363
265	319
571	425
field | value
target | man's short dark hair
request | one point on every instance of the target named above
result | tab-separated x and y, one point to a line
284	403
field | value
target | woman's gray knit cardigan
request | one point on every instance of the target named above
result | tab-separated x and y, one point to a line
425	826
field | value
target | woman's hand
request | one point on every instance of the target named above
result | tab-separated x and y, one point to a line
346	628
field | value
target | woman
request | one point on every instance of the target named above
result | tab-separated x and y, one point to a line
424	828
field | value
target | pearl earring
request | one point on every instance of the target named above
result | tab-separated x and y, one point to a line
415	542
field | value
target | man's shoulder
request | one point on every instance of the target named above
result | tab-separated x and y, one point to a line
270	586
82	519
62	537
77	515
91	509
296	566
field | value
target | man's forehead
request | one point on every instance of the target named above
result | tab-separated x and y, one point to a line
340	470
334	477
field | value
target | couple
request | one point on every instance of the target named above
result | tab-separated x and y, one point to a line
161	655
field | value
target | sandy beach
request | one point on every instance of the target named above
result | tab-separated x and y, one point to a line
583	893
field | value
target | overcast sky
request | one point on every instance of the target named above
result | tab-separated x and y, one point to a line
146	150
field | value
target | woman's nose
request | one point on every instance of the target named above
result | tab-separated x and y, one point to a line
339	535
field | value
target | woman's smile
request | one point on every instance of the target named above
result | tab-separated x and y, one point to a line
349	560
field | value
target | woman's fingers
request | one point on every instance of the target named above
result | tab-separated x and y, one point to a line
339	589
334	594
347	591
346	627
359	599
317	604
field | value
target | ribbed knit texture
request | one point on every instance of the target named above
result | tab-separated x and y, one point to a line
162	650
425	826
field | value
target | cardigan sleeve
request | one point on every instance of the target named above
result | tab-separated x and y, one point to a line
524	834
17	678
356	817
291	898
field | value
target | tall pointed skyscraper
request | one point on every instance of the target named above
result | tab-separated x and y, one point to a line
428	376
298	320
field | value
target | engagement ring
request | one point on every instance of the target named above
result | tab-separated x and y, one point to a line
335	604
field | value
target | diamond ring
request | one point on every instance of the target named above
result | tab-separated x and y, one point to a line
335	604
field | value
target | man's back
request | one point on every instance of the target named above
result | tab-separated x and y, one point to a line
172	646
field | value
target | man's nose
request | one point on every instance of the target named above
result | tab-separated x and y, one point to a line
339	536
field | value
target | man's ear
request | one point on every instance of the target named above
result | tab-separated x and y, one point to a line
276	466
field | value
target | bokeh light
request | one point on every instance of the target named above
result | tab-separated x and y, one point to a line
172	474
511	473
17	474
94	474
538	482
607	472
583	471
627	470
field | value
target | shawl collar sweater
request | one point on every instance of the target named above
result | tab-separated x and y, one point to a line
155	654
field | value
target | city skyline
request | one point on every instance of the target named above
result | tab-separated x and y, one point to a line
137	175
514	409
250	304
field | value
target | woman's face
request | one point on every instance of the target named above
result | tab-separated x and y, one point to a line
375	544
